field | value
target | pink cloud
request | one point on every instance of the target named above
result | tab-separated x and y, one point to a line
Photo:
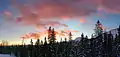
43	11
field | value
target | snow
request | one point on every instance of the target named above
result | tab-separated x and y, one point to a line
78	39
5	55
114	32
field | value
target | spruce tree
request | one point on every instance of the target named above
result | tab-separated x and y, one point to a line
31	48
41	42
82	37
119	33
45	41
31	42
53	37
61	40
70	36
98	28
37	42
49	34
37	48
118	36
65	39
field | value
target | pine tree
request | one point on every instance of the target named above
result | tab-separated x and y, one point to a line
37	42
110	42
23	41
31	48
65	39
118	36
53	37
119	32
41	42
86	37
49	34
98	28
52	41
82	37
45	41
70	36
37	46
82	45
31	42
61	40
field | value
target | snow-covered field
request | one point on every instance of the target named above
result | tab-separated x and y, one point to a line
5	55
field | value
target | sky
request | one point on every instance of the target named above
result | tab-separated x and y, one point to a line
19	18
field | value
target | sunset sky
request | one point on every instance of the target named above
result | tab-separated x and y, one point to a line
19	17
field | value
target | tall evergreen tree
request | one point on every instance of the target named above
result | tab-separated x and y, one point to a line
37	48
30	53
70	36
31	42
61	40
49	34
98	28
118	36
41	42
119	32
37	42
53	36
82	37
65	39
86	37
45	41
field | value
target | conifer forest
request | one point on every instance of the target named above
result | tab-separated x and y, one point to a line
101	44
59	28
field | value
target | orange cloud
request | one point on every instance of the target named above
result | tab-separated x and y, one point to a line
82	20
65	18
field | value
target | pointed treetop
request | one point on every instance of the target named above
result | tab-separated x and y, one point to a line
53	29
45	38
31	42
86	36
82	35
65	39
41	42
45	41
98	21
49	27
38	39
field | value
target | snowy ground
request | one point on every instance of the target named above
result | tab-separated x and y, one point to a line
5	55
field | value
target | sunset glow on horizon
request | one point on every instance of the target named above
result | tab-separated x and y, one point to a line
30	19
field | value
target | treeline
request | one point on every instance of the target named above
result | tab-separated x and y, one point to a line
104	45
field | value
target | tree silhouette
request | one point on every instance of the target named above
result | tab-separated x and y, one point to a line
98	28
31	42
53	37
37	48
49	34
45	41
70	36
37	42
102	45
65	39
